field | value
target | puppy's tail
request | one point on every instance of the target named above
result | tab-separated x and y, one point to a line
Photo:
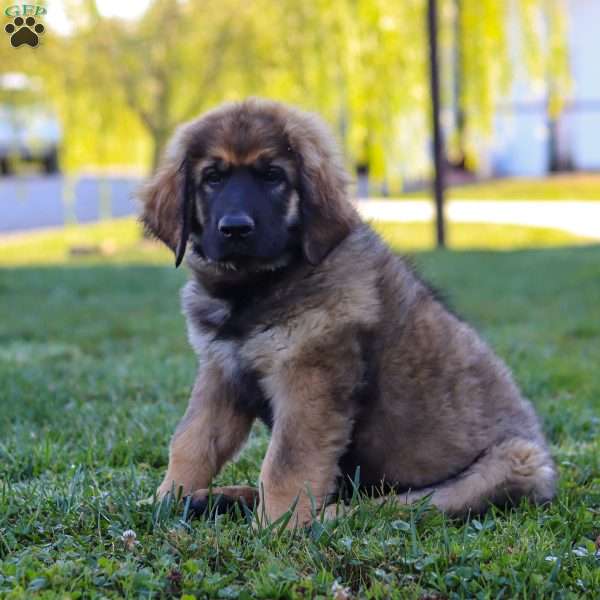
505	473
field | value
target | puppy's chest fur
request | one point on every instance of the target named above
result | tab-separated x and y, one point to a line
252	337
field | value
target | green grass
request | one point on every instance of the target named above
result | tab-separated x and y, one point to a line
573	186
95	371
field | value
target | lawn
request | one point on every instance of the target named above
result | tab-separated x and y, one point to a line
95	371
570	186
118	242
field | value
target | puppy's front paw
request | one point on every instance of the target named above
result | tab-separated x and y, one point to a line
162	494
169	488
203	503
211	502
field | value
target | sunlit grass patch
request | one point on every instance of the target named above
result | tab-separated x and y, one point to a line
111	241
470	236
120	241
568	186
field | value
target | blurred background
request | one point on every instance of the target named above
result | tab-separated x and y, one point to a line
86	113
95	367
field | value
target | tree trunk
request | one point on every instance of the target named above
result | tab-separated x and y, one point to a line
460	119
438	142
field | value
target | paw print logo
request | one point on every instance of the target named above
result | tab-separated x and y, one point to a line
24	31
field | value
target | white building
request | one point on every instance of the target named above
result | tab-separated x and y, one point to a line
521	143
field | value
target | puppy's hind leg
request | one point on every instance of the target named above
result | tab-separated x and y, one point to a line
514	469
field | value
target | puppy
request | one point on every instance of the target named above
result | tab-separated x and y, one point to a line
302	317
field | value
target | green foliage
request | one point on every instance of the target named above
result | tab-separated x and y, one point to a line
95	371
498	43
122	87
485	68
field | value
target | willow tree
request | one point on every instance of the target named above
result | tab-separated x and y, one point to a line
169	64
359	63
363	63
123	86
492	44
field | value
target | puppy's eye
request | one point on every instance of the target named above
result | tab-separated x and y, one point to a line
274	174
212	177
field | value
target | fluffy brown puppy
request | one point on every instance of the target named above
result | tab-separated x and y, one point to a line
301	316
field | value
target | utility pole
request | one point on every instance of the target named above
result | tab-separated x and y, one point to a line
438	142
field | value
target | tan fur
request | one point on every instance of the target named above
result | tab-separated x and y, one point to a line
292	215
358	362
243	158
210	433
161	210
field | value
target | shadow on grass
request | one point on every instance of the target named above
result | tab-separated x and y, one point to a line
74	325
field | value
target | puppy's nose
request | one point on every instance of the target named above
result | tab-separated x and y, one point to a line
236	226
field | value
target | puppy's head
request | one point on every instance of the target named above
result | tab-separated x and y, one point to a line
250	185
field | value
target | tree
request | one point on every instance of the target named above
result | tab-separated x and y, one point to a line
122	87
486	61
166	71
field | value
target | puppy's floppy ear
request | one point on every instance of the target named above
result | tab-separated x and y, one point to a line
168	205
327	214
